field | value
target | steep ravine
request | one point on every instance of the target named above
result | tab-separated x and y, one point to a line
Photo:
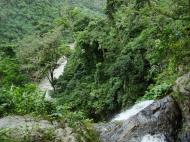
147	121
164	120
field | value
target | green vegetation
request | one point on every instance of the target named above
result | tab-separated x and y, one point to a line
157	91
138	49
33	36
125	51
22	100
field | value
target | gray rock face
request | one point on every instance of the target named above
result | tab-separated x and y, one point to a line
182	88
183	85
161	117
28	129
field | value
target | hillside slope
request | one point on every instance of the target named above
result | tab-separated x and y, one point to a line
135	53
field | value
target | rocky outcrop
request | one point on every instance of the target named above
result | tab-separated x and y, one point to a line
22	128
161	118
182	92
182	85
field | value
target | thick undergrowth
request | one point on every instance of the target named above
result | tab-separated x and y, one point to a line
135	52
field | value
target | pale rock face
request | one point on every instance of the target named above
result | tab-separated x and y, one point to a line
65	135
182	89
183	85
20	128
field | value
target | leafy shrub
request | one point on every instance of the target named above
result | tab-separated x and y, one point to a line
22	100
157	91
65	50
9	70
63	111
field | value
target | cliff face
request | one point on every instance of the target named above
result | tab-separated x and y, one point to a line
182	93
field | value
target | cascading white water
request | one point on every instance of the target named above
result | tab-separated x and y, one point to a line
154	138
45	85
133	111
123	116
60	69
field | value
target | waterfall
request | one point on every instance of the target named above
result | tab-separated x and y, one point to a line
123	116
154	138
60	69
45	85
132	111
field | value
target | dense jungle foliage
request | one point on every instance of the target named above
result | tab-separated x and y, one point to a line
126	50
135	52
33	35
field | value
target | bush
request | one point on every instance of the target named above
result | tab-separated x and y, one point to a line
22	100
10	73
157	91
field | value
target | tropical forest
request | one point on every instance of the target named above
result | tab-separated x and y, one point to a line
94	70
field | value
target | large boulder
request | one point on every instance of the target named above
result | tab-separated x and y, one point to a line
158	121
20	128
182	85
182	92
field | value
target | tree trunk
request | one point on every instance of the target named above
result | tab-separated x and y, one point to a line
50	77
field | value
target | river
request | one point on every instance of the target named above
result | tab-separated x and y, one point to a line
45	86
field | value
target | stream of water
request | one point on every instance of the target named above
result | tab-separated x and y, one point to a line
132	111
123	116
153	138
45	85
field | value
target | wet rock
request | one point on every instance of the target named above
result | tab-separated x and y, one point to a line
182	91
162	117
22	128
